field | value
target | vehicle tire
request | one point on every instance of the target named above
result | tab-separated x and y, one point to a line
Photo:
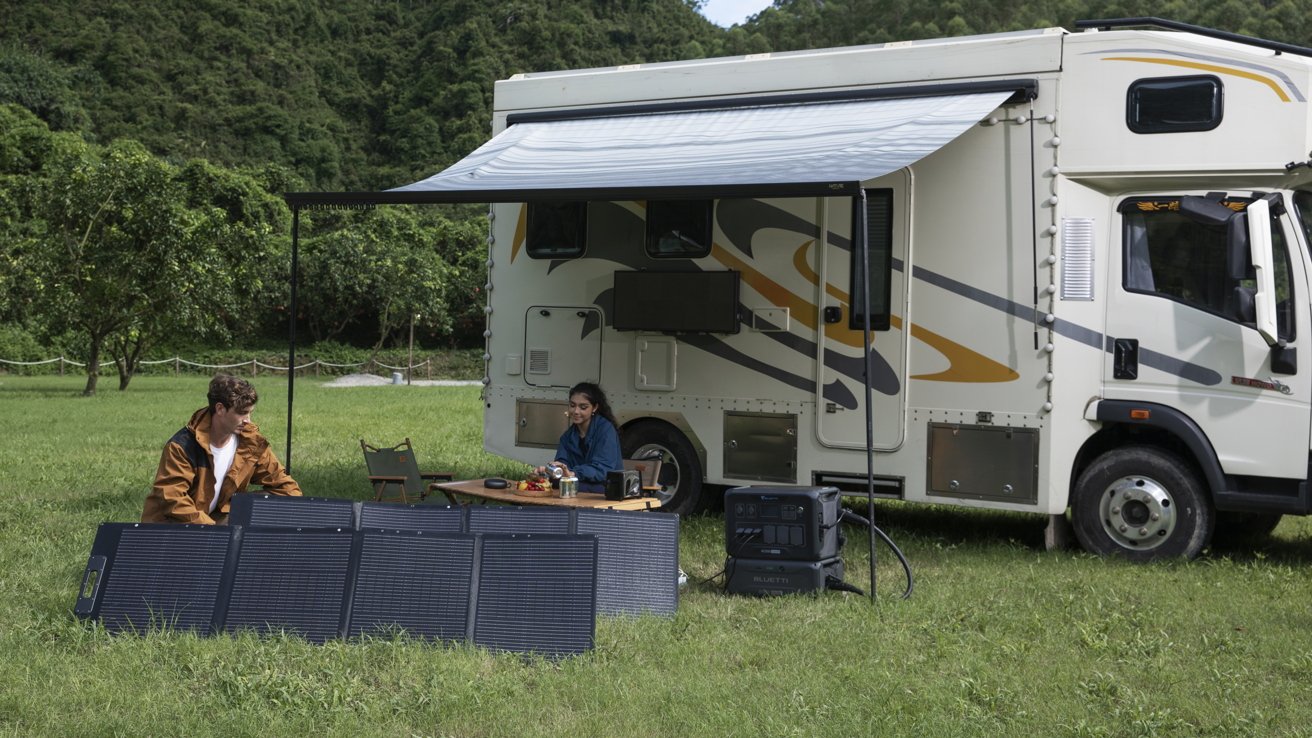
681	470
1143	503
1236	528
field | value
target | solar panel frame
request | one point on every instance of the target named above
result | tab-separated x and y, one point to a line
637	560
414	581
430	518
291	580
149	576
263	510
513	519
536	594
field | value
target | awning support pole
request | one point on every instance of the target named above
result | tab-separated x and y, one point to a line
860	239
291	335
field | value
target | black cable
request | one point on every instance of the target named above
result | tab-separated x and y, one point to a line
906	566
742	541
833	582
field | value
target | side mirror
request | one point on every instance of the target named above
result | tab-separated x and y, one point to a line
1212	213
1259	239
1245	305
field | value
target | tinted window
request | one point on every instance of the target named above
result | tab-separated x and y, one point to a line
879	236
1174	104
556	230
1171	255
678	228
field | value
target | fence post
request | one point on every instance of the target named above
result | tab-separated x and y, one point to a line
316	367
177	366
255	368
428	364
61	365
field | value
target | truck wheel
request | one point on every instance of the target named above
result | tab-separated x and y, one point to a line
1142	503
681	470
1236	528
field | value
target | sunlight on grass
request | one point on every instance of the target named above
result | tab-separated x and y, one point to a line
1001	637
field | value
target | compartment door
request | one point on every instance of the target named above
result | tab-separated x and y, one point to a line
840	394
562	345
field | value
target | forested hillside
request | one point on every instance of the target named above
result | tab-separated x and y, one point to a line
365	94
203	113
351	94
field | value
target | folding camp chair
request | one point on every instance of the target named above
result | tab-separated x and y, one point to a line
396	467
649	473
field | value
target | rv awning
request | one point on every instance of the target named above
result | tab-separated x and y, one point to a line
765	149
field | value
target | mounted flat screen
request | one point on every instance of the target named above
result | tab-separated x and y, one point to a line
676	302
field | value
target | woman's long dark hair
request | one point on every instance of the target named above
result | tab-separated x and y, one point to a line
597	397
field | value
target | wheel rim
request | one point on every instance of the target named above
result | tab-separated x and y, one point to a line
670	475
1138	513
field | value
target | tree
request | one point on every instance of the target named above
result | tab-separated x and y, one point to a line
382	268
135	249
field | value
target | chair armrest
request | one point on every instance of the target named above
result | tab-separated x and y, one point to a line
439	476
386	478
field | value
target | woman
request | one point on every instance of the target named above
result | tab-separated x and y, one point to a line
590	447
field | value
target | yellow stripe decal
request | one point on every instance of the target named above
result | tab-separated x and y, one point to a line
1284	97
521	232
965	365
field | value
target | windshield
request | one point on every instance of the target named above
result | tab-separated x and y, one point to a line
1303	210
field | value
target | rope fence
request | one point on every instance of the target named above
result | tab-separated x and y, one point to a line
254	365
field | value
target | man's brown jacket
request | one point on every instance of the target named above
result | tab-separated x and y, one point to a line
184	483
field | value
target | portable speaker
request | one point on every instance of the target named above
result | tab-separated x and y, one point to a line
622	484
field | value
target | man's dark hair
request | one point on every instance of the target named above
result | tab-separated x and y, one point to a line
235	394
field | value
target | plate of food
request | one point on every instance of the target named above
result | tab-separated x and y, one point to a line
534	486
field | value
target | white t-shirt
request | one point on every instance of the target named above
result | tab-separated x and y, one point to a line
223	456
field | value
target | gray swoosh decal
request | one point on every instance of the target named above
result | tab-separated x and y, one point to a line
1298	94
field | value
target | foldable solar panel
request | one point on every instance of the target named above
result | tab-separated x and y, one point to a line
637	560
431	518
281	511
143	576
498	519
536	594
414	581
293	580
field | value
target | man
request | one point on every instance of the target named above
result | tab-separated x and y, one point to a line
218	454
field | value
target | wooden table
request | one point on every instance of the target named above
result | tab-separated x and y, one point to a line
473	488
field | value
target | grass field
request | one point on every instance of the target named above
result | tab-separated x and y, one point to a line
1001	638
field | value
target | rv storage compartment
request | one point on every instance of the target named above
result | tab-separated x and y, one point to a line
984	462
539	422
760	446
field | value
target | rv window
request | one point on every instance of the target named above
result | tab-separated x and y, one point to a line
556	230
678	228
1174	104
1173	256
879	235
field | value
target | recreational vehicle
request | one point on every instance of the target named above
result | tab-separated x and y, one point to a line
1079	261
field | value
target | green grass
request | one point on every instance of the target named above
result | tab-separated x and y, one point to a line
1000	638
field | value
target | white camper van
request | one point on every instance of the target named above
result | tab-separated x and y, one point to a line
1088	257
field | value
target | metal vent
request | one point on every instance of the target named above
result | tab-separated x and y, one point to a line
1077	258
539	361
